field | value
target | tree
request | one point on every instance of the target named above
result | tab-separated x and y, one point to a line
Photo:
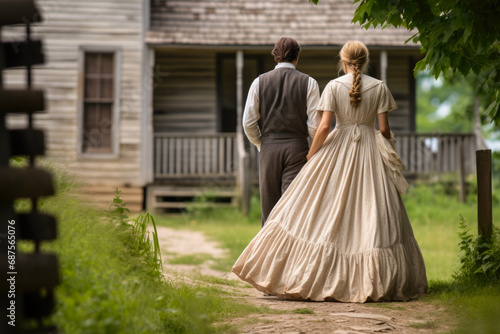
457	36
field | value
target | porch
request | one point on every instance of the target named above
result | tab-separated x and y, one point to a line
189	165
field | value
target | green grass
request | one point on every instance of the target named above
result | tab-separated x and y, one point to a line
222	281
107	288
434	211
423	325
435	217
193	259
303	311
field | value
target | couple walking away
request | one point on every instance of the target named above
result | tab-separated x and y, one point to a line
334	228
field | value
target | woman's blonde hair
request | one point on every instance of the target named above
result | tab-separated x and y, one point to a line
355	55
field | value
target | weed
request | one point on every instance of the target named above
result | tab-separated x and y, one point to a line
303	311
139	241
479	258
118	211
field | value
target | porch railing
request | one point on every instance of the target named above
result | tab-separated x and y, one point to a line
215	155
185	155
436	152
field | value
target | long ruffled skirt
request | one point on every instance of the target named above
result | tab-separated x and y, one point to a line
340	232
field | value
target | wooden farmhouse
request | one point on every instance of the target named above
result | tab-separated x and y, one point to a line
147	96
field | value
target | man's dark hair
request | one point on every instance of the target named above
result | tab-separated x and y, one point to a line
286	49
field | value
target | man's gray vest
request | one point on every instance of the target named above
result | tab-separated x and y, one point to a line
283	103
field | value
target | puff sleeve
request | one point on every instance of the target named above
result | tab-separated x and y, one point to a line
328	101
386	102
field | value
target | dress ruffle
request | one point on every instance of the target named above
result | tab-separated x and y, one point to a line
392	162
281	264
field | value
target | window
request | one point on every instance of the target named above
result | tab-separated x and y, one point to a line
99	103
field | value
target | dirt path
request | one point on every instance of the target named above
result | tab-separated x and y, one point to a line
303	317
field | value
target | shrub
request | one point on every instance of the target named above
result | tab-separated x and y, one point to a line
479	258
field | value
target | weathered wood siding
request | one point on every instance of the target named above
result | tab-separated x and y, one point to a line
68	25
185	99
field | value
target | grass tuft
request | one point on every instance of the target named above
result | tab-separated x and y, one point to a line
423	325
303	311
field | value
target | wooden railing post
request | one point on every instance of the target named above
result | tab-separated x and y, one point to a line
484	195
461	170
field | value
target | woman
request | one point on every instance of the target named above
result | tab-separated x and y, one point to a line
341	232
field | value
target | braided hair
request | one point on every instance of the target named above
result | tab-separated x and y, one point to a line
355	55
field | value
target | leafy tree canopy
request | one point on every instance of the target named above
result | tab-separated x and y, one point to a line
457	36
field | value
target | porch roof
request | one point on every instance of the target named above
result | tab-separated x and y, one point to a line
255	23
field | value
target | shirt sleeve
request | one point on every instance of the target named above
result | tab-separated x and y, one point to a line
313	116
327	101
251	115
386	101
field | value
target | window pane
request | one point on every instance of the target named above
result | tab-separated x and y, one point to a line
91	63
107	63
91	88
97	127
107	88
105	125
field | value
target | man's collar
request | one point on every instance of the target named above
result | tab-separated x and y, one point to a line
285	65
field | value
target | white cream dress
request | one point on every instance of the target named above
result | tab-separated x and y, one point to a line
340	232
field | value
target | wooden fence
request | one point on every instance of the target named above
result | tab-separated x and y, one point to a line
214	155
436	152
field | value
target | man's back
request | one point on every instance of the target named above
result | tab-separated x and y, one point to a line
283	102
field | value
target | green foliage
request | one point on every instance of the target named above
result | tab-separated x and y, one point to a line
495	161
303	311
480	258
457	94
138	241
118	211
456	37
202	205
107	286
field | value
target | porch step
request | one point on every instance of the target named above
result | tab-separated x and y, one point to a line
168	199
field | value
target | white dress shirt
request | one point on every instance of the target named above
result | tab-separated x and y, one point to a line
251	114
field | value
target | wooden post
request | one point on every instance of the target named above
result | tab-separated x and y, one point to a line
383	66
245	190
484	195
461	171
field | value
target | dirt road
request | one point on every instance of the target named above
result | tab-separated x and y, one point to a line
303	317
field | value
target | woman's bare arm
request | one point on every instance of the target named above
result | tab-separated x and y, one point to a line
321	133
383	125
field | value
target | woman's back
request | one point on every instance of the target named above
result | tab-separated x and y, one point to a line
375	98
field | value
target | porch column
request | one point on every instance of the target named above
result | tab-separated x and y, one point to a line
383	66
239	90
244	184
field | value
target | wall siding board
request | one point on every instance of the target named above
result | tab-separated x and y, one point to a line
67	26
186	99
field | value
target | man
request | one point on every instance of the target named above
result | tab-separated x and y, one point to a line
280	113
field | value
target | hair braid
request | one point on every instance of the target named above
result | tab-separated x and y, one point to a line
355	55
355	92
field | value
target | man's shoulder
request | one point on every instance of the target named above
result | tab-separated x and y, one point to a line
278	71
